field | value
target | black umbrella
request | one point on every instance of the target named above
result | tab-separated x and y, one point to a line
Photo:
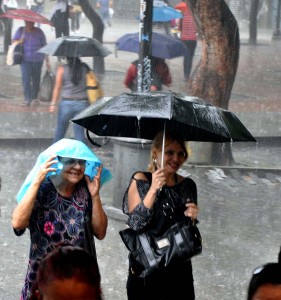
75	46
143	115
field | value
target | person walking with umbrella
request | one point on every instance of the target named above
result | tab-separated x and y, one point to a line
32	39
70	85
142	203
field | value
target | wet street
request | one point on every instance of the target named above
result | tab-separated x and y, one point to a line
239	221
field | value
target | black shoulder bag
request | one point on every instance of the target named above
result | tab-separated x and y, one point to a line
154	251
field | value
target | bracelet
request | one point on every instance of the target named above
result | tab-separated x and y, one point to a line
53	105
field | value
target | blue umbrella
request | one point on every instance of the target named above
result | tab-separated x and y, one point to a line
165	14
162	46
66	148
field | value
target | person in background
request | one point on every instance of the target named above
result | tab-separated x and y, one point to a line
141	203
35	5
59	17
32	38
75	14
160	75
67	272
103	7
265	283
70	85
59	204
188	36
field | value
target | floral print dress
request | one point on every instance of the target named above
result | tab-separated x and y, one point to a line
54	219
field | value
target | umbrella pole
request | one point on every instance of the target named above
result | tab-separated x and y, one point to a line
163	145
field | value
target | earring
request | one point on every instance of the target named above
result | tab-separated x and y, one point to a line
154	162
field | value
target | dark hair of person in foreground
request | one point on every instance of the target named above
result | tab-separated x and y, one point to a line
68	272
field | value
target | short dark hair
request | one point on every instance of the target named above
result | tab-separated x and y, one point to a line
269	273
65	262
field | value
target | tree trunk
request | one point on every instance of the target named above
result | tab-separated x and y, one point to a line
254	8
214	76
98	29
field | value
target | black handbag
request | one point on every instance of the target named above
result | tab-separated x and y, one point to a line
153	252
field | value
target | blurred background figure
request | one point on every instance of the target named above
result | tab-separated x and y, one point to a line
189	37
75	12
104	7
59	17
70	86
35	5
67	272
32	38
160	75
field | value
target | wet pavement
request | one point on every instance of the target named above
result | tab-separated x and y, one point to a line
239	206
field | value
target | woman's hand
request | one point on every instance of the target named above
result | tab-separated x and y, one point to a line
158	179
94	186
191	211
45	168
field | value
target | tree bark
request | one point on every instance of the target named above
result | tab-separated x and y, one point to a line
98	29
215	73
254	8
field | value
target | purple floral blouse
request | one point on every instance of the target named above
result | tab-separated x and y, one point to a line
54	219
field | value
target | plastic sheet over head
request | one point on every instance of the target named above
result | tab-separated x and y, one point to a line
66	148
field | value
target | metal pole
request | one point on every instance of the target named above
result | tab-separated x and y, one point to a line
145	34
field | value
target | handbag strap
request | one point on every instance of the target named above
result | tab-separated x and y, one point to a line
147	250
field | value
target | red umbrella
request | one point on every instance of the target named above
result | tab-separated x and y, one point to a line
26	15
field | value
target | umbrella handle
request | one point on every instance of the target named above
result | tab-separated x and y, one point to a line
91	140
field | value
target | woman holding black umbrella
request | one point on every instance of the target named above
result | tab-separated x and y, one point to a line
142	203
71	86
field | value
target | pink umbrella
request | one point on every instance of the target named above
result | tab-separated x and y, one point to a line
26	15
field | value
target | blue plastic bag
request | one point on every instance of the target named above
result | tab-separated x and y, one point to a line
66	148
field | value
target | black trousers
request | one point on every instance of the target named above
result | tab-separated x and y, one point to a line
169	285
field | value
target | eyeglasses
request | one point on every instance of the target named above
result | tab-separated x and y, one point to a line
72	161
180	154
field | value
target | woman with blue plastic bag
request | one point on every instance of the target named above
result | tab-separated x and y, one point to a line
57	197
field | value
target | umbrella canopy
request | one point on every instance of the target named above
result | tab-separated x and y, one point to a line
26	15
165	14
143	115
162	46
66	148
75	46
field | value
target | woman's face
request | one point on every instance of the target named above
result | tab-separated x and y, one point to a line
73	169
174	157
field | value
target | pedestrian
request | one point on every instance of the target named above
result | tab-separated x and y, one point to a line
141	204
75	14
35	5
104	7
32	38
188	36
60	202
70	86
59	17
160	75
67	272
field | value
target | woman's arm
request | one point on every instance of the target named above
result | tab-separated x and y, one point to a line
57	89
99	218
158	180
22	213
